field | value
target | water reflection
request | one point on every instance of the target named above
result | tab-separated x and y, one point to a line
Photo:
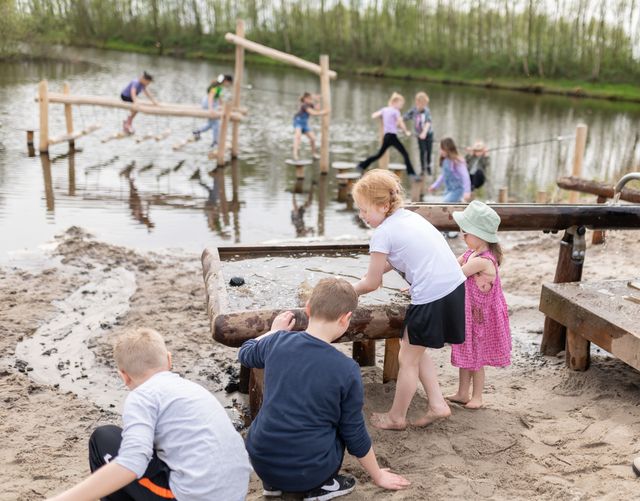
216	207
297	213
48	184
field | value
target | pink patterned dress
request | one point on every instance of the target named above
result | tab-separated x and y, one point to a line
487	334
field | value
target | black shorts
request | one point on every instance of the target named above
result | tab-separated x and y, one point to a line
126	98
439	322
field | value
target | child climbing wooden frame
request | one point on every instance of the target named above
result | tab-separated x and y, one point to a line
321	69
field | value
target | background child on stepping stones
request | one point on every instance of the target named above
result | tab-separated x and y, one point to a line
308	104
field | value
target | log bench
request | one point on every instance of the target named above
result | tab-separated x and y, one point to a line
605	313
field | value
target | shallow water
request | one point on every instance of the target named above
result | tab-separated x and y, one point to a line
159	206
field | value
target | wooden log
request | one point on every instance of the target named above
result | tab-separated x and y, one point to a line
598	235
503	195
383	161
68	117
325	91
30	150
578	156
74	135
256	391
364	352
43	100
577	354
167	109
237	86
391	363
215	285
368	322
601	189
222	139
276	54
567	270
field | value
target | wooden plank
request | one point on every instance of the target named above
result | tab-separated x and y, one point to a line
74	135
367	322
276	54
391	364
597	312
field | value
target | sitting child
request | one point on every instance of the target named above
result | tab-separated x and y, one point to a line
177	441
312	406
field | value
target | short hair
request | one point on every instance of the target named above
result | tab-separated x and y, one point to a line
379	187
331	298
139	350
422	97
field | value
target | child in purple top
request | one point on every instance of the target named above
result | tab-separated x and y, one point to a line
130	94
454	174
391	120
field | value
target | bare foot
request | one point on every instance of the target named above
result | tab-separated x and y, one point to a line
474	403
432	416
383	421
458	399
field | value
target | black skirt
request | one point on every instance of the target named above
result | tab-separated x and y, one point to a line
439	322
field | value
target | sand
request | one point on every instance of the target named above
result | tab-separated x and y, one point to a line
545	432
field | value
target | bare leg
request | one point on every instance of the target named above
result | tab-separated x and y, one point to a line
478	386
312	140
438	407
406	385
464	385
296	142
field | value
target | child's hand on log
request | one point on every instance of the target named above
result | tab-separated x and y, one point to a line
284	321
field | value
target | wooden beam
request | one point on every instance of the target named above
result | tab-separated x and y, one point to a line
325	91
237	86
276	54
367	322
601	189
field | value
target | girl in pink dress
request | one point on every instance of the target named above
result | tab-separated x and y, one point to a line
487	334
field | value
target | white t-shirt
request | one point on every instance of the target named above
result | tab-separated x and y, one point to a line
191	433
415	248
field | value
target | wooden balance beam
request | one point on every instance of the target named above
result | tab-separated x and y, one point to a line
74	135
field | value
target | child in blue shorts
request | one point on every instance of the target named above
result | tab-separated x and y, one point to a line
301	123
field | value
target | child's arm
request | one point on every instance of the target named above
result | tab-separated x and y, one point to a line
437	184
101	483
382	477
461	259
477	265
253	352
425	130
376	114
313	111
402	125
150	96
373	279
463	174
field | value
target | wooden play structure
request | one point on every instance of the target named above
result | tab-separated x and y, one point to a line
371	323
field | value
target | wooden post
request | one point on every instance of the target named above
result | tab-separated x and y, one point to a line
383	162
30	149
68	117
577	352
222	139
43	99
541	197
256	390
364	352
325	91
598	235
391	365
48	182
578	156
568	269
72	174
322	203
237	85
503	195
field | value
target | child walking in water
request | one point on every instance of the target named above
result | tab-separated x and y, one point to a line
487	334
404	241
391	120
212	101
301	123
455	174
130	94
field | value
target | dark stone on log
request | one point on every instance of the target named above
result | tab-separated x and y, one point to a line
236	281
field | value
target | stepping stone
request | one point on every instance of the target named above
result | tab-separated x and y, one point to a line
343	166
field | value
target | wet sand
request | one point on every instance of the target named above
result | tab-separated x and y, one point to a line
544	433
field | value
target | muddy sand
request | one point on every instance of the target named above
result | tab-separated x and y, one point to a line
544	433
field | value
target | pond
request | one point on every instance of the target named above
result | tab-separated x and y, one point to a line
160	202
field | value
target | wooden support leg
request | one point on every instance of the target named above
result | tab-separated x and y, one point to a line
30	149
577	352
300	172
256	389
568	269
342	191
391	365
364	352
243	380
598	235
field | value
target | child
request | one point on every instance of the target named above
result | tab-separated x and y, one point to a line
312	406
421	116
177	441
391	120
407	242
477	161
454	174
130	94
301	123
212	101
487	334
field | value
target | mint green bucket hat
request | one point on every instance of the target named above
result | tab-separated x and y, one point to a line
480	220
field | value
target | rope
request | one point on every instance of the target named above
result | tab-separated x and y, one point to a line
531	143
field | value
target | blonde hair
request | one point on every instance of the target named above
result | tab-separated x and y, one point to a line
331	298
422	98
395	97
379	187
140	350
